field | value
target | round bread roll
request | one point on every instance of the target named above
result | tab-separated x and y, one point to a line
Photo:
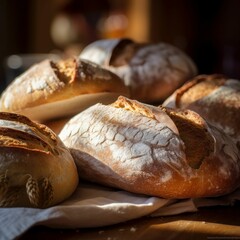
51	90
37	170
215	97
152	71
150	150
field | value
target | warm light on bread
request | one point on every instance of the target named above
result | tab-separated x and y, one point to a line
51	90
215	97
37	170
151	70
151	150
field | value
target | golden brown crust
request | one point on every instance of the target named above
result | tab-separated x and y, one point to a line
214	97
152	71
205	85
133	106
37	170
87	78
191	129
190	125
49	82
136	147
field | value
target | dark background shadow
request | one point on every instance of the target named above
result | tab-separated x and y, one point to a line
209	31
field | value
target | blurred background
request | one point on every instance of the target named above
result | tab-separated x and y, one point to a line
32	30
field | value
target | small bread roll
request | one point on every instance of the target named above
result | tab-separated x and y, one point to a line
150	150
152	71
215	97
51	90
37	170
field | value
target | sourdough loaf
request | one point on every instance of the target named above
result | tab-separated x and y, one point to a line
152	71
37	170
150	150
215	97
50	90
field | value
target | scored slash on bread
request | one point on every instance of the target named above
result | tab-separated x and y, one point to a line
194	132
37	170
186	123
152	150
51	90
215	97
152	71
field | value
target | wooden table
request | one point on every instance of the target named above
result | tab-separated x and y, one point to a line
208	223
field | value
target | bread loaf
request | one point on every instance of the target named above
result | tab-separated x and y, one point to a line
37	170
215	97
50	90
150	150
152	71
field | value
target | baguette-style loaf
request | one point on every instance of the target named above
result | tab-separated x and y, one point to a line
152	71
37	170
50	90
150	150
215	97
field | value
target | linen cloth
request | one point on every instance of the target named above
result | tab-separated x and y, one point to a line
95	206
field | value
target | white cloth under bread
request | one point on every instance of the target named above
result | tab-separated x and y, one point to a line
96	206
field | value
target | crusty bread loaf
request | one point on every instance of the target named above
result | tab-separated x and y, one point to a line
214	97
50	90
152	71
37	170
150	150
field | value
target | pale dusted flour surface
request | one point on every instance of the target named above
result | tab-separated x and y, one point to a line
124	148
39	79
132	141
